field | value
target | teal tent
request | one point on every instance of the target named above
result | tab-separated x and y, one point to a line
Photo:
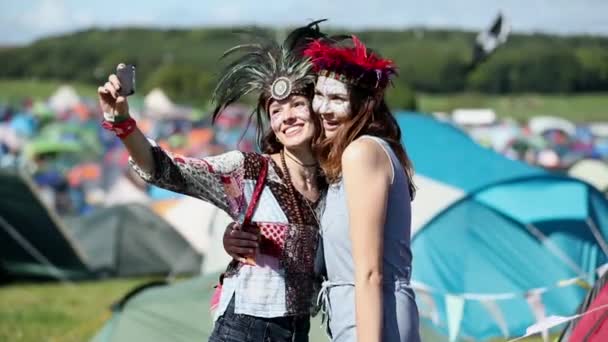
497	244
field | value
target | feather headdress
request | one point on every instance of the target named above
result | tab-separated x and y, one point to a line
354	65
267	68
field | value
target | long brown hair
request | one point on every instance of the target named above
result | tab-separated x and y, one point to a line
370	115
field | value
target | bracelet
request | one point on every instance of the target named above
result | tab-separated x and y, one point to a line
115	118
122	129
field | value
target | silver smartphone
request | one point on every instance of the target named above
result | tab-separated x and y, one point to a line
126	76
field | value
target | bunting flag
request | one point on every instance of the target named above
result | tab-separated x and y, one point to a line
554	321
455	304
535	301
455	310
496	313
430	307
579	281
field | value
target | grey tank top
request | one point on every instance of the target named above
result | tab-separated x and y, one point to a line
335	228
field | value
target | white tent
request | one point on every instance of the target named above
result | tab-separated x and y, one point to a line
591	171
599	129
123	191
203	225
158	105
64	98
541	124
473	117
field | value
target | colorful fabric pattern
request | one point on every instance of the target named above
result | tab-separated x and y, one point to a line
282	282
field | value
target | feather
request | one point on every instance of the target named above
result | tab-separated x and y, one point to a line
255	66
355	64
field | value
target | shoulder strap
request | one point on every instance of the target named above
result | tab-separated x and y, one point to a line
257	192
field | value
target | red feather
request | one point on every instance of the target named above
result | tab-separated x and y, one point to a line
355	63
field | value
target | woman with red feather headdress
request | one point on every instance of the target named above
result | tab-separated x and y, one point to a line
366	296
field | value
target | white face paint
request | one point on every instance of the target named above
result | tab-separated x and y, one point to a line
290	121
332	103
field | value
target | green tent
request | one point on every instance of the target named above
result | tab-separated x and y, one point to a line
179	312
33	242
132	240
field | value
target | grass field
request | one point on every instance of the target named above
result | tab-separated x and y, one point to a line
64	313
578	108
58	313
14	90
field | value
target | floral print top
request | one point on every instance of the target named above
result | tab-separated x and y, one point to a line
282	282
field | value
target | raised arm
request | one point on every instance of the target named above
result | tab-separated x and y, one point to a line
217	179
116	108
367	176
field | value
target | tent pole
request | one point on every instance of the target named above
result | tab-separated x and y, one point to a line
555	249
33	251
597	235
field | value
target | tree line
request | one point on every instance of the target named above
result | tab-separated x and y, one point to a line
185	62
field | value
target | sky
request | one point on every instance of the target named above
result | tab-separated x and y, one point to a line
24	21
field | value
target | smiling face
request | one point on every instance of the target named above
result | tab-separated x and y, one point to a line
332	103
291	122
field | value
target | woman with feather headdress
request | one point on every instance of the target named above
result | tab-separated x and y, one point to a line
274	194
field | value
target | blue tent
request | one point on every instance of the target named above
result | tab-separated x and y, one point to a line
495	239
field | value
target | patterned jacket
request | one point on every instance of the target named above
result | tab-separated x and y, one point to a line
282	282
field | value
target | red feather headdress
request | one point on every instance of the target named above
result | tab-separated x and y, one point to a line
354	65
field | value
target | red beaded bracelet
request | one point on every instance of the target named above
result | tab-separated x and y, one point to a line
121	129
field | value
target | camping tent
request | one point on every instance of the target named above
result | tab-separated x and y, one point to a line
159	106
541	124
594	322
178	312
474	116
203	225
593	325
595	172
130	240
64	98
488	230
33	242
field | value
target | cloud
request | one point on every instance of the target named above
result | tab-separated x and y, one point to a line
27	20
48	16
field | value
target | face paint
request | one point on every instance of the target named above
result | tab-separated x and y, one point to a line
279	113
290	120
332	102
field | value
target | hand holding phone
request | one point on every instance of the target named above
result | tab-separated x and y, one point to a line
126	76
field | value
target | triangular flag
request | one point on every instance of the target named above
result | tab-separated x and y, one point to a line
430	307
455	311
535	302
496	313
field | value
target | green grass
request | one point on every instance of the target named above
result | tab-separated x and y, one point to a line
55	312
578	108
14	90
63	313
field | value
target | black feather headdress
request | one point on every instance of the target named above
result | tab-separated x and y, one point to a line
268	69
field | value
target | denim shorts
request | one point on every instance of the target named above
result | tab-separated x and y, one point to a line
231	327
